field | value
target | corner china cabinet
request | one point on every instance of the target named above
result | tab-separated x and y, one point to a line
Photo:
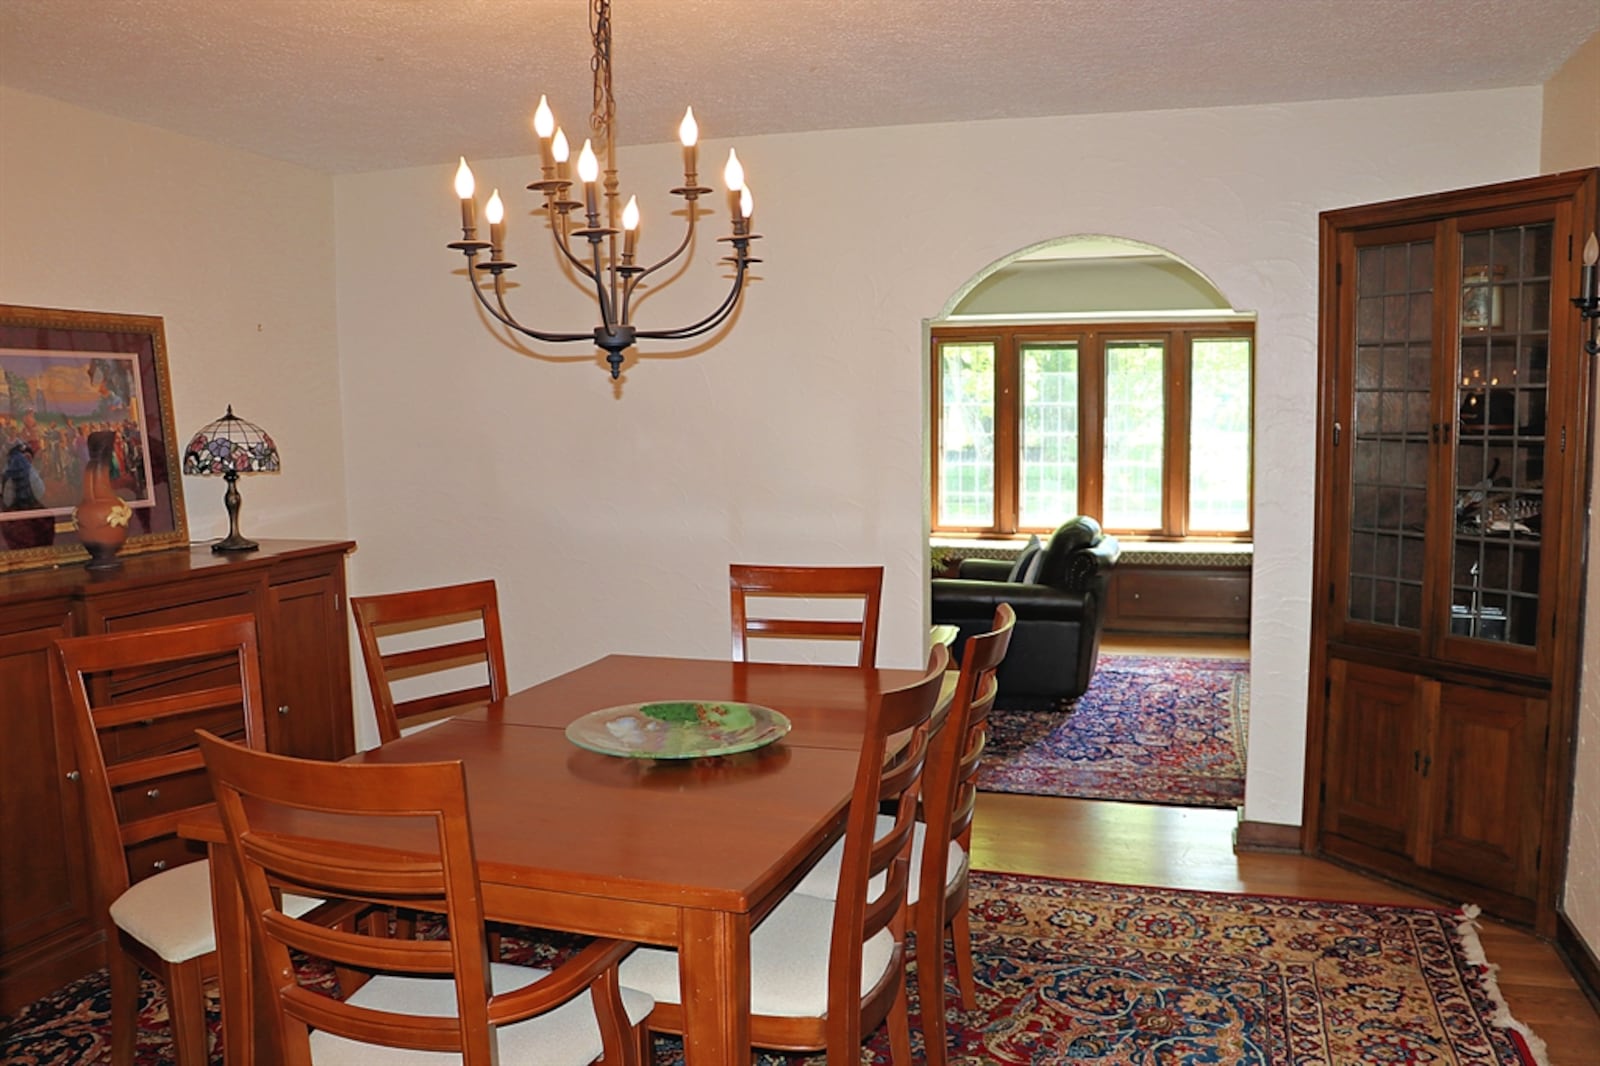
1453	466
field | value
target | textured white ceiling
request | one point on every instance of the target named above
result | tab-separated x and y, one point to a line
354	85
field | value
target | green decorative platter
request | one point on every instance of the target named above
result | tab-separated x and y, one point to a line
678	729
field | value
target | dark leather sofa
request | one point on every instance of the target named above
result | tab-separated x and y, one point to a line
1060	613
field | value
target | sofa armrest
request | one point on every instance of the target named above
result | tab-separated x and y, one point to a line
1088	568
983	570
958	599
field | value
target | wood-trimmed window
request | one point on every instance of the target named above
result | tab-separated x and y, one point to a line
1144	426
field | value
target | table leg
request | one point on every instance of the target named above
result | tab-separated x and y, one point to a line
714	966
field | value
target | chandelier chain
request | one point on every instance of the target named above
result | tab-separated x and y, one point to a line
605	105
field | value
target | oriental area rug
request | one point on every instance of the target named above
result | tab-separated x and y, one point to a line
1149	729
1074	971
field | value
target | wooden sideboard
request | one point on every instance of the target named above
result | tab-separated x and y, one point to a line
295	590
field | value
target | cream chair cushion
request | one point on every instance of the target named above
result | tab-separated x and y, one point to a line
170	913
566	1036
788	962
822	881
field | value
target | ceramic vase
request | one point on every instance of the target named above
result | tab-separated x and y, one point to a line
102	516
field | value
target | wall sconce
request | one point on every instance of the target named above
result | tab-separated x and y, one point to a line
230	446
1588	299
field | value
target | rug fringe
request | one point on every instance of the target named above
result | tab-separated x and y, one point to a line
1472	945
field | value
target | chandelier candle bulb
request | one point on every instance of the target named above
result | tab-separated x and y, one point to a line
464	189
495	212
544	124
689	134
562	151
630	229
747	204
588	172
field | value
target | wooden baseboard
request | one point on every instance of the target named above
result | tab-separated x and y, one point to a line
1579	957
1265	836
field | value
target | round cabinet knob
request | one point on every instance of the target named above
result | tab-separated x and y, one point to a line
73	775
154	793
160	864
283	708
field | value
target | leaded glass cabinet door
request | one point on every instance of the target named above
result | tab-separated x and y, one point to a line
1506	449
1391	371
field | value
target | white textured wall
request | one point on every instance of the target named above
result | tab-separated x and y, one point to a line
610	520
1571	138
234	252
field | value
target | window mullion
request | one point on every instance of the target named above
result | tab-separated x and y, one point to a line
1175	473
1008	433
1091	423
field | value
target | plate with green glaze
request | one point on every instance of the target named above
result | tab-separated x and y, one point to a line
678	729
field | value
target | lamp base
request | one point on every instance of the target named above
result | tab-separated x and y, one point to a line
233	542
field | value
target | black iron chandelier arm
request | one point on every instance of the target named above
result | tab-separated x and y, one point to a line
504	317
708	323
638	276
600	275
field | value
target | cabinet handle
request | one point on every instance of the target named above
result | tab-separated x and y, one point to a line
160	864
283	709
154	793
1416	760
73	775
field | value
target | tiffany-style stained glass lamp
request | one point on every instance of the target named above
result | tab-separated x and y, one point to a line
230	446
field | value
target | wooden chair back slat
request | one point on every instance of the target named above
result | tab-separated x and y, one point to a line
749	582
418	611
153	768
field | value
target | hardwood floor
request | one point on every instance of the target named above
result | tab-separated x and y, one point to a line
1130	843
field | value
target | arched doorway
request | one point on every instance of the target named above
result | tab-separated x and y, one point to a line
1104	376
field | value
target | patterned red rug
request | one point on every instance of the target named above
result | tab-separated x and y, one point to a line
1150	729
1072	971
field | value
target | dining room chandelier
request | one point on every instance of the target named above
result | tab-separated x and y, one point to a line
608	264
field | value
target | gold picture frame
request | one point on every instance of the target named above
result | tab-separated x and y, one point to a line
63	374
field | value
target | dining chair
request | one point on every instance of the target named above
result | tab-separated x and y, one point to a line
937	898
824	974
386	832
461	670
137	698
766	584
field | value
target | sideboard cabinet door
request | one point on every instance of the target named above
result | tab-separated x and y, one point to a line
44	887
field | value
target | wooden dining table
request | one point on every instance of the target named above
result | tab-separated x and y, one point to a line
686	853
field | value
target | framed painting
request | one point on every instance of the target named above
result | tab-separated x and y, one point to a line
63	376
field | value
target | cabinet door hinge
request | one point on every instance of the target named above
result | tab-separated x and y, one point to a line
1563	440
